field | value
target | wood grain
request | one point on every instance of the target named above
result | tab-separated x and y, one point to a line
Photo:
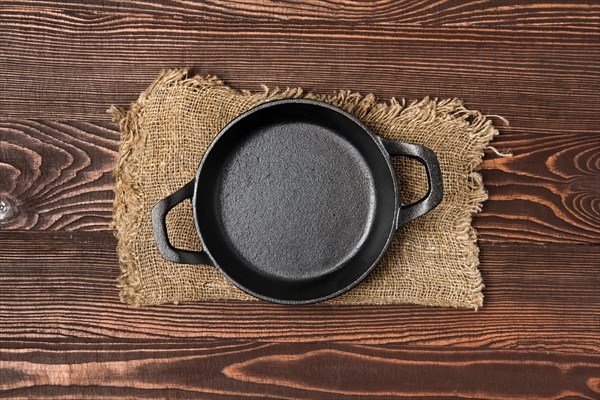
575	14
58	285
530	73
59	178
549	191
57	175
242	369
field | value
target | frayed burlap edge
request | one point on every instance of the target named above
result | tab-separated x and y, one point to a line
126	211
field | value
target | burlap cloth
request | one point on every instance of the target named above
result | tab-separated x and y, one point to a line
433	261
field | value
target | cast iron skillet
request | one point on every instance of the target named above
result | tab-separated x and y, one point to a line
296	201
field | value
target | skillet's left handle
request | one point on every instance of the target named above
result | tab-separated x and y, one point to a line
434	177
159	228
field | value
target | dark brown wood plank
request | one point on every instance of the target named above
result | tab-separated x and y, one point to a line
58	177
62	285
219	370
547	192
541	77
575	14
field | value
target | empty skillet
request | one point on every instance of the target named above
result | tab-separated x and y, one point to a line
296	201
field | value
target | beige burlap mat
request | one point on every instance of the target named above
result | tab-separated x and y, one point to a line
433	261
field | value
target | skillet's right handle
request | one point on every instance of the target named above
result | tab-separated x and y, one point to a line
159	228
434	177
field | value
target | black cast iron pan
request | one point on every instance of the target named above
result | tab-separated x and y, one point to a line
296	201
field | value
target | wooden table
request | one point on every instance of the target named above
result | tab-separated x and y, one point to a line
63	331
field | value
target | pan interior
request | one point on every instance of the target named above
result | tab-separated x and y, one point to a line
295	199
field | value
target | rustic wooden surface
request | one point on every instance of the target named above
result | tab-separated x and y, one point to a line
63	332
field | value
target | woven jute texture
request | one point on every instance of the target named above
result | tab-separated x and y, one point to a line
433	259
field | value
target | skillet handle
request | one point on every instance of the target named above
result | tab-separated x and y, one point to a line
159	228
434	177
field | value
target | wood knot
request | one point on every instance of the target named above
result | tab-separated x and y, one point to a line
8	208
